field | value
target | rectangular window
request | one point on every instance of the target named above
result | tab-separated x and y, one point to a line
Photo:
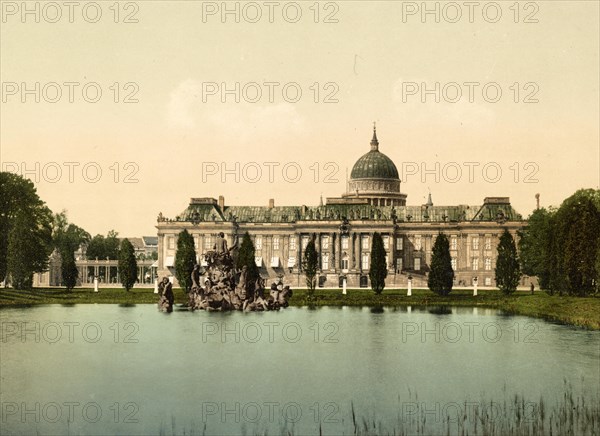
275	242
417	242
304	242
417	264
365	242
325	261
453	243
475	263
488	243
207	244
293	243
345	263
475	243
399	243
386	242
325	242
258	243
171	242
365	261
488	281
453	262
345	242
488	264
399	264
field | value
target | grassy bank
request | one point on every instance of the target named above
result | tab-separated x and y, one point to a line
583	312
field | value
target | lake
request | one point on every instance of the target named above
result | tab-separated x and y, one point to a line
110	369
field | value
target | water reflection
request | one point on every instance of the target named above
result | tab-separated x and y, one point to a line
440	310
326	355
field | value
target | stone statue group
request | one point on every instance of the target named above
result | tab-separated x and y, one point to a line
222	287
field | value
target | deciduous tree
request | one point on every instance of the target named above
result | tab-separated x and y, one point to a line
25	230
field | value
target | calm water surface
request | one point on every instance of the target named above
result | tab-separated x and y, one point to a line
110	369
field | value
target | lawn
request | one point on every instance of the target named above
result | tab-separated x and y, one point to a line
578	311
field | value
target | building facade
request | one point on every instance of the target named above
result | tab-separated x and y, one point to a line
344	227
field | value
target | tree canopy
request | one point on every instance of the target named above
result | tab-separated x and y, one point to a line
562	246
67	238
102	247
25	230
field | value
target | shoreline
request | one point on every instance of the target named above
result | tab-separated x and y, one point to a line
581	312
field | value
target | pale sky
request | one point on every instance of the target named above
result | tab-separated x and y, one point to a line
372	63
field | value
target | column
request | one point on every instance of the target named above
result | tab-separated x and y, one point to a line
339	251
354	249
333	251
392	245
359	254
298	251
318	247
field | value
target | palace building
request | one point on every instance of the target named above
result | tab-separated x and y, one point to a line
344	227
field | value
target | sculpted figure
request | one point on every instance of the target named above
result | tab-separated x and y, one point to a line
243	279
259	287
221	245
284	296
196	299
196	276
167	298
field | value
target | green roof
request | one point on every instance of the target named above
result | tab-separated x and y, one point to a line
374	165
290	214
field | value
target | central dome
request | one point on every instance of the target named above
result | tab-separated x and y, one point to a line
374	179
374	164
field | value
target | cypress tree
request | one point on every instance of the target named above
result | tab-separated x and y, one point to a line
441	276
246	257
508	271
310	264
185	259
378	267
69	270
127	264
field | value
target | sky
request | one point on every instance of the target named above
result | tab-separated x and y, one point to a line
119	111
